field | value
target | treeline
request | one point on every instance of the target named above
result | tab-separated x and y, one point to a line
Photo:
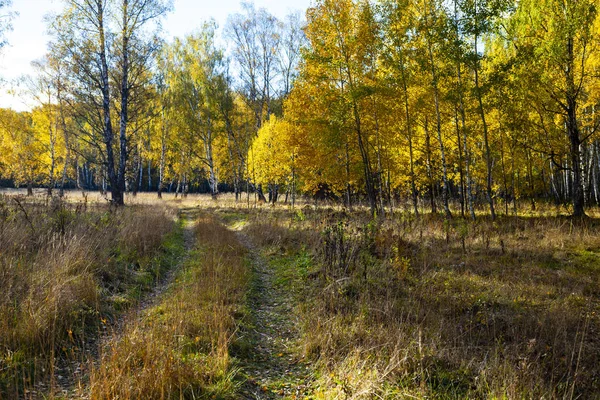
456	105
480	103
120	109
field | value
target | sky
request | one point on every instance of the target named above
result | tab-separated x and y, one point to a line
28	39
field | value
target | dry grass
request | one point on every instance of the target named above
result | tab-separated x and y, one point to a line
395	308
64	268
179	348
421	307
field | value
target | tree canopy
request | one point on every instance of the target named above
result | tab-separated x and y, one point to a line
452	106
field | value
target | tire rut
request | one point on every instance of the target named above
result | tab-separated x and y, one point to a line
273	367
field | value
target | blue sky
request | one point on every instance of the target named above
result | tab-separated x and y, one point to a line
27	41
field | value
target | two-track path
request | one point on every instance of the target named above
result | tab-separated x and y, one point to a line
272	368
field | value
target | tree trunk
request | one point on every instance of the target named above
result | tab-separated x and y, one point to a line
595	174
117	194
436	95
52	134
139	169
103	183
212	179
488	153
366	162
77	173
348	187
149	175
261	196
429	169
463	118
512	176
409	136
530	179
379	164
185	188
67	146
163	154
293	187
274	193
504	178
124	101
577	193
232	163
178	187
461	175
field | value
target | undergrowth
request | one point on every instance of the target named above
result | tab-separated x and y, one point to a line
66	271
422	307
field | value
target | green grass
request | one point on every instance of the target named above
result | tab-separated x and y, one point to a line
290	270
235	220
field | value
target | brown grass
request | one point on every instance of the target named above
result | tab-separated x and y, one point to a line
180	347
61	267
401	307
421	307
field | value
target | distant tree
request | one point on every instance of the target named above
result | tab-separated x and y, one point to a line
99	61
559	44
197	78
273	154
20	150
256	40
292	40
135	48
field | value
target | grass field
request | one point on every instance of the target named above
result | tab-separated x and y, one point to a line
426	308
209	298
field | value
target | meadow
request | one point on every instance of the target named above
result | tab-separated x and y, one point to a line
402	200
209	298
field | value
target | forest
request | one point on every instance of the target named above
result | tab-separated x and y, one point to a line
465	106
362	199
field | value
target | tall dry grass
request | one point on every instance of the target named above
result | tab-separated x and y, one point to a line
422	307
65	270
179	348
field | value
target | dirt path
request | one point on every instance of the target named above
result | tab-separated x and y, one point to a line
272	366
70	377
188	216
